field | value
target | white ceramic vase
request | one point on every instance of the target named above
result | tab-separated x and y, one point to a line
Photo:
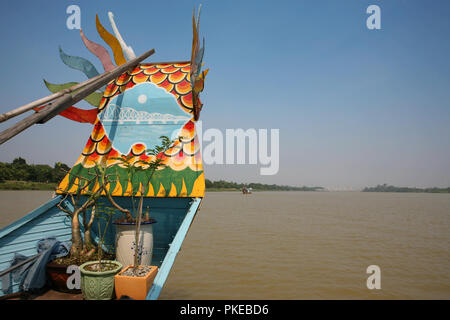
125	243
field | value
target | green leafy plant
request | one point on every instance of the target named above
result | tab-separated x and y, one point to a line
89	189
103	214
135	168
82	199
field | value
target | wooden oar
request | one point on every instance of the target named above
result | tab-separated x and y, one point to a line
66	99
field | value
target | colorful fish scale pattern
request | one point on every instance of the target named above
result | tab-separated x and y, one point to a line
183	175
174	78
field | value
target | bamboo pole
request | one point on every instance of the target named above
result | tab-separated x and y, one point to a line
18	111
67	99
14	267
171	62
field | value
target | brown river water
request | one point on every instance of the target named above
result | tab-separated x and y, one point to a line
303	245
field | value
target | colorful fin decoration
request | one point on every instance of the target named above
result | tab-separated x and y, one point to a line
199	57
79	63
199	82
110	139
198	16
197	76
129	52
76	114
93	99
99	51
112	42
195	45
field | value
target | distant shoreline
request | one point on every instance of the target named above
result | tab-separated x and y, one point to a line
51	186
222	185
253	191
18	175
388	188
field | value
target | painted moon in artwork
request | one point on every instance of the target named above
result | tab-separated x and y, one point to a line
141	115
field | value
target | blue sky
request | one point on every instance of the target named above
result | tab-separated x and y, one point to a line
355	107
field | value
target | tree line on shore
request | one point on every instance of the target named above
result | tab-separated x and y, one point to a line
221	184
41	174
388	188
20	170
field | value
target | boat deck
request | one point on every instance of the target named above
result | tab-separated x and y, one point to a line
174	217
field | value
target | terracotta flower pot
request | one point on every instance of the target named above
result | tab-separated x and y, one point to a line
134	287
98	285
57	276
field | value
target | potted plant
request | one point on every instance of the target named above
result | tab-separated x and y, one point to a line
97	277
137	277
130	230
82	248
135	282
82	202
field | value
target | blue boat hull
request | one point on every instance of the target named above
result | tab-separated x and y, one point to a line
173	215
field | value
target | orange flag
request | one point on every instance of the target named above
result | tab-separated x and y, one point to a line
75	114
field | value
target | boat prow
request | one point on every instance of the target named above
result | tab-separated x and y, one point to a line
142	102
173	215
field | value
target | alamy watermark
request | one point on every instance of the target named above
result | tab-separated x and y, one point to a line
74	280
374	280
73	21
239	146
373	22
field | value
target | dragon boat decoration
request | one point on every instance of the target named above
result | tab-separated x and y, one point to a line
138	107
134	104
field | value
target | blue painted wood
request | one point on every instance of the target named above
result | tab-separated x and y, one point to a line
169	214
22	235
32	215
173	216
175	246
